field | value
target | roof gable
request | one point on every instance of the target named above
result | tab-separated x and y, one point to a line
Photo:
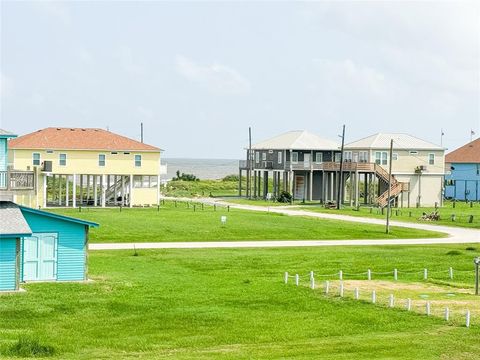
78	139
296	140
58	217
12	221
382	141
468	153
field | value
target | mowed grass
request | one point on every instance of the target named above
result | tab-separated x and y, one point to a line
231	304
182	223
462	212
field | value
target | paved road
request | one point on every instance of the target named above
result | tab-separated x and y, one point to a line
456	235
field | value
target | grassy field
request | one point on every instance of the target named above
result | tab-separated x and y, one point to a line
182	223
205	188
230	304
462	213
461	210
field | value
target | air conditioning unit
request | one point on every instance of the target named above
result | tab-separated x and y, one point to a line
47	166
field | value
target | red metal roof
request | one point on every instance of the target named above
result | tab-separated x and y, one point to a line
469	153
78	139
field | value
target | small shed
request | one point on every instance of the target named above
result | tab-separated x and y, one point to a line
51	247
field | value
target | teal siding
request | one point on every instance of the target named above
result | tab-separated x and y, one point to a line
71	244
8	264
3	162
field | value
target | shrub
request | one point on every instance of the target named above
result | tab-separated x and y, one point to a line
26	347
471	248
232	177
284	197
185	177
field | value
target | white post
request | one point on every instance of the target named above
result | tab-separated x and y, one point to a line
297	279
340	275
104	190
44	191
327	287
409	304
158	189
341	288
447	314
427	308
66	190
130	196
311	275
425	274
95	191
357	295
391	300
369	274
374	297
312	283
286	277
74	190
450	273
395	274
467	319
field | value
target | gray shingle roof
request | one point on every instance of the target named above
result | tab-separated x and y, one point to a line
12	221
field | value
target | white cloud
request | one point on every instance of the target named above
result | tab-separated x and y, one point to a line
216	77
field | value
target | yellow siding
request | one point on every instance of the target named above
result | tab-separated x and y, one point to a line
86	162
428	187
144	196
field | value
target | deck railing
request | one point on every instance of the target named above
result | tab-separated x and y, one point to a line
17	180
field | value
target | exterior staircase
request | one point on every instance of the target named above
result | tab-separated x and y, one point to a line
113	192
396	187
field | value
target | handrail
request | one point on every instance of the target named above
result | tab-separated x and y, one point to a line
17	180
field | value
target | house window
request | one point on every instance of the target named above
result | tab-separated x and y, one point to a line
264	156
347	156
319	157
153	181
363	156
36	158
137	181
394	156
431	159
257	157
478	169
138	160
337	157
62	159
279	157
101	159
294	157
381	157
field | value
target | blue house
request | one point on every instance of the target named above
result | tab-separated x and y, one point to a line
37	245
463	180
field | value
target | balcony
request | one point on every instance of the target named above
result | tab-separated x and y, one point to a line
11	180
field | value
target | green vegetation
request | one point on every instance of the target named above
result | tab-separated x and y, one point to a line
462	212
232	303
26	347
201	188
185	177
191	223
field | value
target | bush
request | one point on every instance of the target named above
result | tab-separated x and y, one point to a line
454	252
232	177
26	347
471	248
185	177
284	197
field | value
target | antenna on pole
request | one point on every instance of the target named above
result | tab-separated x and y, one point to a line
141	132
441	137
250	162
340	180
389	186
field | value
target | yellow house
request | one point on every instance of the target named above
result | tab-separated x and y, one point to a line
417	164
87	167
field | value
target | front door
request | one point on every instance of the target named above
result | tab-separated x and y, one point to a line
40	257
306	161
299	187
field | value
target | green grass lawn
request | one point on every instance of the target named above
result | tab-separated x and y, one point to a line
462	212
232	303
201	188
184	224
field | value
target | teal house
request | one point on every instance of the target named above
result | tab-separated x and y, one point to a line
37	245
4	136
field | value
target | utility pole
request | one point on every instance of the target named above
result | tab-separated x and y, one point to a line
141	132
389	186
476	261
249	162
340	180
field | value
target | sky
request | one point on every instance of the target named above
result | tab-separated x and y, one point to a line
198	74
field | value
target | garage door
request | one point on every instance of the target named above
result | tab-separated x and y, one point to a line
40	257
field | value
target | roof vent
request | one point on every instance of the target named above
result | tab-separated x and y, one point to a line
59	129
72	129
84	129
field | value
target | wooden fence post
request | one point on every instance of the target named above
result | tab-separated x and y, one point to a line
327	287
447	314
286	277
297	279
374	297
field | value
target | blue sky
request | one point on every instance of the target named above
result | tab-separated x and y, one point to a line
199	74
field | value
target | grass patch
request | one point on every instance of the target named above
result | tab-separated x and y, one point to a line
454	252
205	188
27	347
232	303
178	221
462	212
